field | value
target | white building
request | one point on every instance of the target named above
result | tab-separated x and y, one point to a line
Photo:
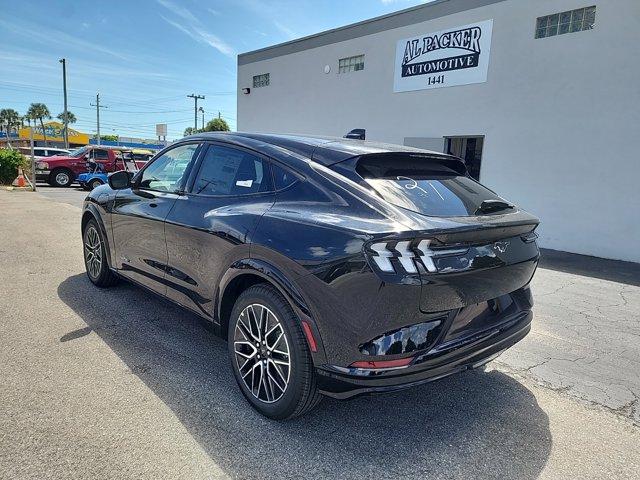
542	97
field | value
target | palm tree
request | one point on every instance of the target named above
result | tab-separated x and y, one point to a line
9	118
71	118
39	111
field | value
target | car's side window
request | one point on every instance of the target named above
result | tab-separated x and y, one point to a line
168	172
100	154
229	171
282	177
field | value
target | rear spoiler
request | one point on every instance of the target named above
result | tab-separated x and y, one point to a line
377	164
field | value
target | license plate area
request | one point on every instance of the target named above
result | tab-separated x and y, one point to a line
471	320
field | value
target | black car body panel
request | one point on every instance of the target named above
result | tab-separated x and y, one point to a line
317	240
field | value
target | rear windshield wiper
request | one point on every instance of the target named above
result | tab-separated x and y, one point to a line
488	206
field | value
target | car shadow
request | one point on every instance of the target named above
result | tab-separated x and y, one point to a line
584	265
474	424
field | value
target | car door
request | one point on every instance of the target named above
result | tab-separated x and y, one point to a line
139	213
210	226
101	156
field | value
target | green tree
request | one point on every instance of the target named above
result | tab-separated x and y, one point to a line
108	138
216	125
39	111
70	116
190	131
9	119
10	160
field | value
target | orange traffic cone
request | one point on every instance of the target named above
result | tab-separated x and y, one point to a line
19	182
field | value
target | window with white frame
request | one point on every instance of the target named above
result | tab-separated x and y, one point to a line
351	64
261	80
566	22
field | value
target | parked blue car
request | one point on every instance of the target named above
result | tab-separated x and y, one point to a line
97	176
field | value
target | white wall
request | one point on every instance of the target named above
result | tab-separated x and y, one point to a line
560	115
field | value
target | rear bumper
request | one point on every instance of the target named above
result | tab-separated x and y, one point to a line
342	383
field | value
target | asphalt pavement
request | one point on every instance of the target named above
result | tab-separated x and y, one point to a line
117	383
74	195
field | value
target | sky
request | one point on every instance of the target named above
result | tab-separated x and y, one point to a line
145	56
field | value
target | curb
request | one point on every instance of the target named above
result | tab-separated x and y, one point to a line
19	189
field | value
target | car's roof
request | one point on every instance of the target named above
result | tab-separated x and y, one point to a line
324	150
109	147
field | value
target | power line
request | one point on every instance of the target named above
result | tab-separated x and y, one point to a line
50	91
140	111
149	125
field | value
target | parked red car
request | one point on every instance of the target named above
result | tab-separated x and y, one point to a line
61	171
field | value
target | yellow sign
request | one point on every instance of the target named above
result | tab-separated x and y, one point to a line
54	133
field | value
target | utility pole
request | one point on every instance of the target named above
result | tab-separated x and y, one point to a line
33	158
218	113
201	110
195	111
98	107
63	61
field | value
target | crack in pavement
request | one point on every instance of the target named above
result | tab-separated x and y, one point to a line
628	410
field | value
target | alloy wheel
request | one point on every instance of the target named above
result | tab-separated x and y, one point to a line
62	178
262	353
93	252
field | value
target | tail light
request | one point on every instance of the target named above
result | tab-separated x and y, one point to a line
399	256
310	338
529	237
383	364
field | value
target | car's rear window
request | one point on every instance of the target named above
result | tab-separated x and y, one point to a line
431	186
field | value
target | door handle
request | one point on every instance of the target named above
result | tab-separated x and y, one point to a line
153	205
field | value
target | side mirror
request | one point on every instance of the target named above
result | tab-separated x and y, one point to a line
119	180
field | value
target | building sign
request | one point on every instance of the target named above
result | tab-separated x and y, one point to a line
54	133
456	56
161	129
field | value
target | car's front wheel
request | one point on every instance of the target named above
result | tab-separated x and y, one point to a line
95	183
269	354
95	256
61	177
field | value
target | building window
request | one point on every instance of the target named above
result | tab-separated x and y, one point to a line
261	80
351	64
566	22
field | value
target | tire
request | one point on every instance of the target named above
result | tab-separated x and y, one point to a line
61	177
95	256
94	184
282	392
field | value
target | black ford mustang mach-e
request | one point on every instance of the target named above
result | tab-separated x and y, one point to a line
332	266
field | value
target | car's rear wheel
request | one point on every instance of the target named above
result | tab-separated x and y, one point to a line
95	256
94	183
269	354
61	177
